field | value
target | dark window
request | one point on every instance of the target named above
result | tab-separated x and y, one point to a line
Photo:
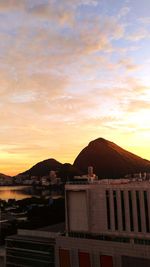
142	241
138	211
130	210
64	258
106	260
123	211
108	209
84	259
115	210
146	211
134	261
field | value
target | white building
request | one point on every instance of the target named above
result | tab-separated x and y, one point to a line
109	207
107	224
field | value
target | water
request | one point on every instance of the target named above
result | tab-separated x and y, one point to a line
21	192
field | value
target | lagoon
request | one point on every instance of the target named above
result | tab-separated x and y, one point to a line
15	192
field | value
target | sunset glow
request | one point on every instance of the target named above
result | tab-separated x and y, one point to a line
72	71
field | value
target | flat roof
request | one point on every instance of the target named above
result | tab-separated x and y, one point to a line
45	234
108	183
60	227
29	238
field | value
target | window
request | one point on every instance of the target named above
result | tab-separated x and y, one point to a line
130	211
115	209
138	211
64	258
123	211
106	261
108	209
146	211
84	259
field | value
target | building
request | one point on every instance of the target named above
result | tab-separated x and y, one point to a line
2	256
107	224
33	248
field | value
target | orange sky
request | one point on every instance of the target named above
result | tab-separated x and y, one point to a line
70	73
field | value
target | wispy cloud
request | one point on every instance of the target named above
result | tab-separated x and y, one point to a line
137	105
128	64
123	11
138	35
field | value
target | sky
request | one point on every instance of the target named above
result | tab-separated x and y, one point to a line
72	71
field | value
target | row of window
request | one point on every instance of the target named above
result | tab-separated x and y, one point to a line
141	241
21	253
21	244
84	259
100	237
131	208
121	239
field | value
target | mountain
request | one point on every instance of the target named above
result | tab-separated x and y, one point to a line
109	160
68	171
4	176
43	168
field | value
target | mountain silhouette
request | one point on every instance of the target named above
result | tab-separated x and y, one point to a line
68	171
64	171
43	168
109	160
4	176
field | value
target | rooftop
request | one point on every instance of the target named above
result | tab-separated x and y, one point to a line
44	234
113	182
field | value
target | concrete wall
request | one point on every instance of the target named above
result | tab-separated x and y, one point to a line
97	248
78	211
94	210
86	210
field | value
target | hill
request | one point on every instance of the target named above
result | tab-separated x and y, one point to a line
4	176
43	168
109	160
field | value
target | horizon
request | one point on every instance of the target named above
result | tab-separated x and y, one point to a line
70	72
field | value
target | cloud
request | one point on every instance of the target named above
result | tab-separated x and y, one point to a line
61	13
12	4
96	34
137	105
57	50
81	2
58	13
128	64
123	12
145	20
37	84
138	35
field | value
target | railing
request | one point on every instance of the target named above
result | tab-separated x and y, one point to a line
78	182
100	237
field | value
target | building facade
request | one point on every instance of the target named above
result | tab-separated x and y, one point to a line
107	225
30	249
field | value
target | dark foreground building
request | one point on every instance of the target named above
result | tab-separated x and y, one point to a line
24	251
32	248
